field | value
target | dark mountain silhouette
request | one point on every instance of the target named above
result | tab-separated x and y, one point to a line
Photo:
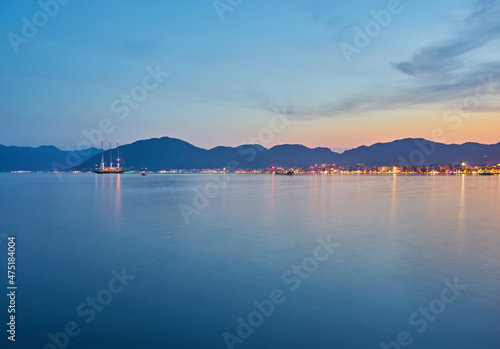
294	155
170	153
418	151
44	158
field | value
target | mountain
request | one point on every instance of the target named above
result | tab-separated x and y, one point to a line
293	155
44	158
418	151
170	153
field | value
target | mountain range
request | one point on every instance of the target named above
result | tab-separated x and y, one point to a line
169	153
44	158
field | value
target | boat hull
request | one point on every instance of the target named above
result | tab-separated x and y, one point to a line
109	171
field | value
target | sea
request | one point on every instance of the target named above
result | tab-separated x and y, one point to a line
250	261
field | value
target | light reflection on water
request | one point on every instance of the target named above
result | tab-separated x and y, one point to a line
400	237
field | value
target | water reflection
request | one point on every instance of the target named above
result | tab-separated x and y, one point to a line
374	281
357	191
394	201
108	192
118	194
461	215
323	190
271	199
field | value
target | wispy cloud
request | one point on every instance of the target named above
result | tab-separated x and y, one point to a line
438	93
440	73
445	59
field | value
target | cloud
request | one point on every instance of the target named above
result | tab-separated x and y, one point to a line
329	14
482	7
318	9
441	73
439	92
442	60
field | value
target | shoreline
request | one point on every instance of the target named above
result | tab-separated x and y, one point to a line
187	172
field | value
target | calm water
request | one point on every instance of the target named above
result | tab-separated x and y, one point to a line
400	238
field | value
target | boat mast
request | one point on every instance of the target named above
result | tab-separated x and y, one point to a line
110	156
118	155
102	154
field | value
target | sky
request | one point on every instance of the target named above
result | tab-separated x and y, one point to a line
321	73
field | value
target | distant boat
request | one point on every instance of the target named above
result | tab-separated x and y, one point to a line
110	169
144	174
486	174
290	173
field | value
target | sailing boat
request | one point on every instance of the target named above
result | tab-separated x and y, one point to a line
110	169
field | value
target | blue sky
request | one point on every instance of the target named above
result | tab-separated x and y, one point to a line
228	78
